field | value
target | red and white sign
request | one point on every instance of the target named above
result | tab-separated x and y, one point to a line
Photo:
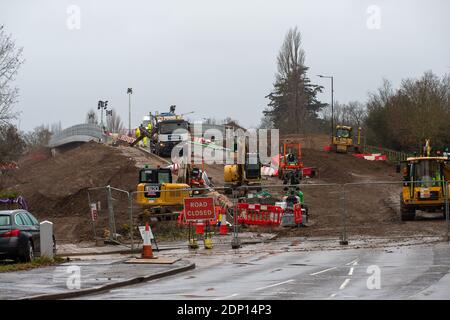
94	212
199	209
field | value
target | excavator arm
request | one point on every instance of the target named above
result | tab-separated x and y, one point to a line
144	133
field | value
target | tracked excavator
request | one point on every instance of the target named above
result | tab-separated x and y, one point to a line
243	174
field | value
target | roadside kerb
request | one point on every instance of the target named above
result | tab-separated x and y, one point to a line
107	287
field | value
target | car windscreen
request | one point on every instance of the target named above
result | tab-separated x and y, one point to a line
5	220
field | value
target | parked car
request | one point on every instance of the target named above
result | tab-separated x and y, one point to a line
19	235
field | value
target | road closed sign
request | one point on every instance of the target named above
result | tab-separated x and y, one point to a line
199	209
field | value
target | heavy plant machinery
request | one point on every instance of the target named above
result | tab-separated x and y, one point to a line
342	141
290	163
158	193
169	129
246	174
193	176
424	184
243	174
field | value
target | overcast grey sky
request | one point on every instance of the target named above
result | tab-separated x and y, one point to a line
217	58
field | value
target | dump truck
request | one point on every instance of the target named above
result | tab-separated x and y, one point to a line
425	186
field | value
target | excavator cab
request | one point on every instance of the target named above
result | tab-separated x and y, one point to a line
424	183
156	188
252	167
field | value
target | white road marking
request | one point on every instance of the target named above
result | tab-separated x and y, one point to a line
230	296
313	274
274	285
333	295
344	284
351	271
353	262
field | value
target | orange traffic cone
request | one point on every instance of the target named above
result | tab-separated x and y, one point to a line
147	252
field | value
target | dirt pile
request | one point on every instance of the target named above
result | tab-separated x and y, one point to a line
344	168
56	187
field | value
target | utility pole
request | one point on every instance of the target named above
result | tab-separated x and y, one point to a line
129	92
332	103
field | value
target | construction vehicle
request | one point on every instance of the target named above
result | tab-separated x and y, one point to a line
342	141
169	129
158	193
290	163
424	184
243	174
193	176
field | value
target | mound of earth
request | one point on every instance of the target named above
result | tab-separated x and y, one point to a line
56	187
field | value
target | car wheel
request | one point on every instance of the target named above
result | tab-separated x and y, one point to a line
29	253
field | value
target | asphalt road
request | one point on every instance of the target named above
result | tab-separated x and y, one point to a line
413	272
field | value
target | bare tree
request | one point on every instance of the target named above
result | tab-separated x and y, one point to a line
39	137
113	122
56	127
352	113
10	61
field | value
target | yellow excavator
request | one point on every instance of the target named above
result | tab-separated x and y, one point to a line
424	183
158	193
343	140
243	174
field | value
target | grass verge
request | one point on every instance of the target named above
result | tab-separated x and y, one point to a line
39	262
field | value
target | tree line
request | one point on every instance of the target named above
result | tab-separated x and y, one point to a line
399	119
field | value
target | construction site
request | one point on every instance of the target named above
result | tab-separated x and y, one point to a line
173	150
56	188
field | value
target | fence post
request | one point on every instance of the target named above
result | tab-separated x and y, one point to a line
235	242
446	212
130	203
93	221
112	227
343	240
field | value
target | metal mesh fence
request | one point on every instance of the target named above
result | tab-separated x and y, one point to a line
343	212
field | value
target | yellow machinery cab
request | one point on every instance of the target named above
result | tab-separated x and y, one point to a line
424	185
342	139
156	188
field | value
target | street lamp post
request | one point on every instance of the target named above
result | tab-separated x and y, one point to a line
129	92
332	104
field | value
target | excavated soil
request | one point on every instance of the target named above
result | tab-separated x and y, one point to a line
56	189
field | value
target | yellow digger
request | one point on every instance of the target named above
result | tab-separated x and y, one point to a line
424	184
342	141
243	174
157	192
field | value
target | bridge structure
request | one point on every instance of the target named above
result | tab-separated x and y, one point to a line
78	133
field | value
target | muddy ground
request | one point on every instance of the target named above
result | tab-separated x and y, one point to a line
56	189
